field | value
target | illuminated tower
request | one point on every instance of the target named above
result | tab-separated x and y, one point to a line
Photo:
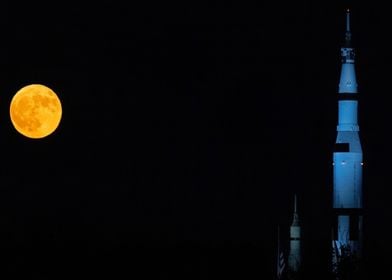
295	242
347	161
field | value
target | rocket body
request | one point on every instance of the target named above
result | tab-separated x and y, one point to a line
294	259
347	161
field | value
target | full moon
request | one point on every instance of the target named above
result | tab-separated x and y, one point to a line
35	111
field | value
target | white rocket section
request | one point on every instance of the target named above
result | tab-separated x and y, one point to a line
295	241
348	80
348	120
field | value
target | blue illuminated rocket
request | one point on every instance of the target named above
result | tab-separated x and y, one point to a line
347	161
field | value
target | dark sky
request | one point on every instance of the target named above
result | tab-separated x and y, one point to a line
186	131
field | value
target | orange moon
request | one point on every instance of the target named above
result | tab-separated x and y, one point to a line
35	111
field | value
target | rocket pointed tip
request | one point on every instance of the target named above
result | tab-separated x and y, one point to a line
348	20
295	203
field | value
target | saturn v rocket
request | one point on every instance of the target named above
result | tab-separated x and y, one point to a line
347	160
295	242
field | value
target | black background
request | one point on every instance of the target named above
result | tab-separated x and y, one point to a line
187	128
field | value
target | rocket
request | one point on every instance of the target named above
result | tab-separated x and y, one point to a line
295	242
347	159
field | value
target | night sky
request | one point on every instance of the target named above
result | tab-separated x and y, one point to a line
187	128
